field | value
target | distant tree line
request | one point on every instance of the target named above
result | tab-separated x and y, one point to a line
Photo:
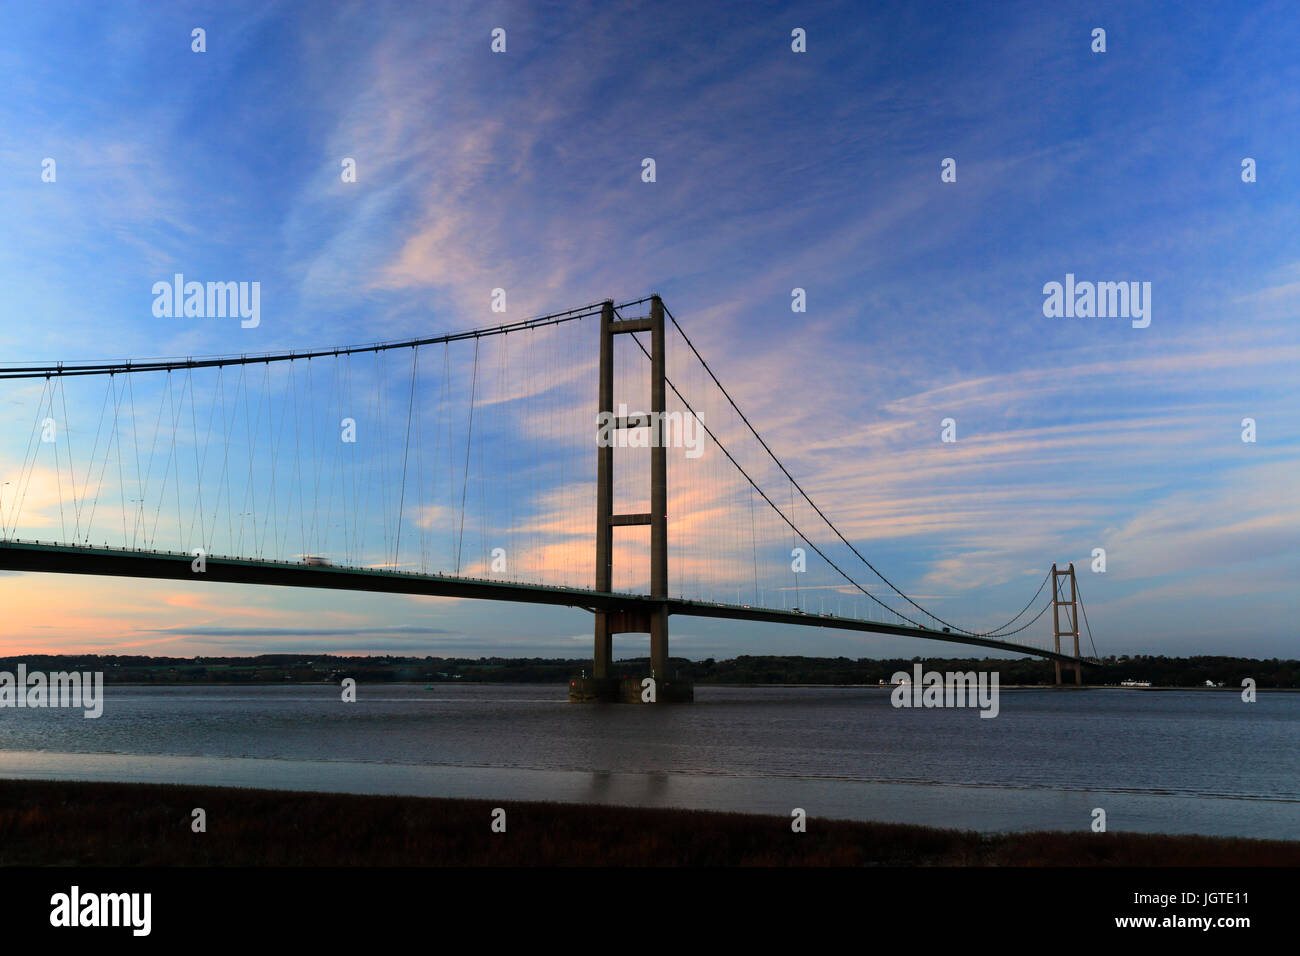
747	669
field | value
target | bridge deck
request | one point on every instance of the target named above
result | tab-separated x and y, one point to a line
40	556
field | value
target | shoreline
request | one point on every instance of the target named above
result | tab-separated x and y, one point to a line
53	822
562	685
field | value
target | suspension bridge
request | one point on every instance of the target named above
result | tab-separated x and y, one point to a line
465	465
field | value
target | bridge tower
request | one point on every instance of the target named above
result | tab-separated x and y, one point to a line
638	619
1071	608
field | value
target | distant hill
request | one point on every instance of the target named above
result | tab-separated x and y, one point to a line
746	669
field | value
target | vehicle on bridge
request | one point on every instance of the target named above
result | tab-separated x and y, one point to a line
315	561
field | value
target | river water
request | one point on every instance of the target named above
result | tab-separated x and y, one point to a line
1154	761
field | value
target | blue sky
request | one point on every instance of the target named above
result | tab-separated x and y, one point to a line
775	170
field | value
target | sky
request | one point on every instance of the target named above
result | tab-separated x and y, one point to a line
775	170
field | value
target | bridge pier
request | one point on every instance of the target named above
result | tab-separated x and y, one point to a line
659	645
627	690
613	683
605	647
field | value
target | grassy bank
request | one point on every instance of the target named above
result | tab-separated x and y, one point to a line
111	824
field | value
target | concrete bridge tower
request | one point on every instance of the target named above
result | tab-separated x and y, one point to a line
604	685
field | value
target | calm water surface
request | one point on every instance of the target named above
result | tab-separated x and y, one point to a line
1168	761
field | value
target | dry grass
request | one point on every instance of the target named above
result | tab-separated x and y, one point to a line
61	823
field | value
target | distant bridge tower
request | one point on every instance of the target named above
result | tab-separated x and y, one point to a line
1071	608
633	620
